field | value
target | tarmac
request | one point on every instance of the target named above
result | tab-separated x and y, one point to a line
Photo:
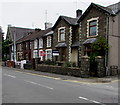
106	79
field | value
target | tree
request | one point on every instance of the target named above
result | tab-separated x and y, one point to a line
100	46
5	49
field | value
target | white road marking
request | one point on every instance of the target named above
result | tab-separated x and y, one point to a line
90	100
83	98
38	84
109	86
10	75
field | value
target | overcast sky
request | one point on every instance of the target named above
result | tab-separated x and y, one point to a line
32	13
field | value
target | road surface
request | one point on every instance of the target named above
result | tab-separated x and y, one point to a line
21	87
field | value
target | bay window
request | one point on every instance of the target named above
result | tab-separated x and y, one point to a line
49	54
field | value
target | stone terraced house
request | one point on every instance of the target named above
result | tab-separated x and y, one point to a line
42	45
24	46
66	39
101	21
70	39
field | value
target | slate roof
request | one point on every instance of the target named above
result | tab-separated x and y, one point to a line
18	31
60	45
69	20
115	7
34	35
76	44
104	9
49	33
89	41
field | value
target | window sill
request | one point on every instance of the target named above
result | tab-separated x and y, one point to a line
92	36
62	41
48	46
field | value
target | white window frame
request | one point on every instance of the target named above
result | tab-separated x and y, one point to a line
30	45
48	53
40	43
88	30
20	47
35	44
59	39
26	45
48	41
12	48
35	54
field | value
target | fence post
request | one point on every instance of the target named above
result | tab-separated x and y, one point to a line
85	66
101	71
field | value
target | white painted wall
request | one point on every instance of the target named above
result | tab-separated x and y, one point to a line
113	41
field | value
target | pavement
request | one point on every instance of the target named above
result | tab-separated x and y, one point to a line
93	80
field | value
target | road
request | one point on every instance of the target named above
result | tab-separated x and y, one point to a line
21	87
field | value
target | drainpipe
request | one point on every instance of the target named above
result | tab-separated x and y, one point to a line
106	53
70	43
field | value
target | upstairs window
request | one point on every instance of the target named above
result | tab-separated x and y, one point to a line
49	41
26	45
40	43
92	28
35	44
61	34
30	45
20	47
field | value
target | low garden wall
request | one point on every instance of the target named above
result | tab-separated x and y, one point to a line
27	66
59	70
87	69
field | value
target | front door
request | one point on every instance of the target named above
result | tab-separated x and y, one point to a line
62	54
93	68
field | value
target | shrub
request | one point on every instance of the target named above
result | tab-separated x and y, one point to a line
67	64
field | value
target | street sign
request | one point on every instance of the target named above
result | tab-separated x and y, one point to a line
55	52
42	53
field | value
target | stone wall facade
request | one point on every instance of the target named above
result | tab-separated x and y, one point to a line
59	70
93	13
62	23
85	67
101	71
84	71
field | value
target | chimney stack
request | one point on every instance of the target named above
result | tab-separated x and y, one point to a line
78	13
48	25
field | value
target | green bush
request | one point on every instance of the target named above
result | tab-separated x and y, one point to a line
67	64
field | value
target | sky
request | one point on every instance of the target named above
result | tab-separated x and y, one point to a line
34	13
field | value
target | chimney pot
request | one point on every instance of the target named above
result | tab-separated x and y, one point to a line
78	13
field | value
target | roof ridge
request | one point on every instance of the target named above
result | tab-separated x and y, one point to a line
20	27
67	17
103	7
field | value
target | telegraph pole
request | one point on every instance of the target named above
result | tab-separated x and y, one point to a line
14	45
46	15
